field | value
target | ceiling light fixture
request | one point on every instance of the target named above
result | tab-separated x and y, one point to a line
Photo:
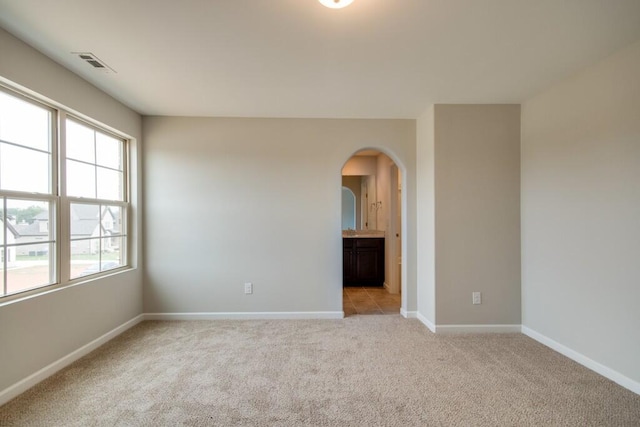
336	4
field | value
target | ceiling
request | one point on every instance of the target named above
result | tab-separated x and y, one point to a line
296	58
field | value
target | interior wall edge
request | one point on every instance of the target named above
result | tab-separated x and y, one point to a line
429	324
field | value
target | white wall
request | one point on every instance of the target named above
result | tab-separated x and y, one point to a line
37	331
581	213
425	194
383	193
237	200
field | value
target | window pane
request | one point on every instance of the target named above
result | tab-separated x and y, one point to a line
84	223
33	252
31	223
28	272
85	257
80	142
29	265
112	220
109	184
81	180
111	252
116	250
23	169
24	123
109	151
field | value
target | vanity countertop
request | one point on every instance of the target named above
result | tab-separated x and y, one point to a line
359	234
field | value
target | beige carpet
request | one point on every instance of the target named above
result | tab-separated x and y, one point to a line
360	371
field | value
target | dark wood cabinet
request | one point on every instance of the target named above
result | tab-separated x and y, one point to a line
362	261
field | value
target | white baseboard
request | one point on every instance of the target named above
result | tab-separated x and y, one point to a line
427	322
450	329
44	373
473	329
247	315
599	368
408	314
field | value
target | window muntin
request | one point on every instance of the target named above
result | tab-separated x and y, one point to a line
93	173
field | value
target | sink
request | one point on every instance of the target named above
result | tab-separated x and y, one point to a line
362	233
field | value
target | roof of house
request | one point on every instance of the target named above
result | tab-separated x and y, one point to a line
33	229
12	229
84	220
42	216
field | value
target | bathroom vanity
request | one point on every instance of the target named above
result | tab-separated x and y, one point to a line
363	258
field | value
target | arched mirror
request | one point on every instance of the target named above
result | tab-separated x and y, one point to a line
348	209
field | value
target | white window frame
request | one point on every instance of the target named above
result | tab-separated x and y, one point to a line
60	229
67	201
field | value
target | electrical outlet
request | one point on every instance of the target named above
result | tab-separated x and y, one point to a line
248	288
476	297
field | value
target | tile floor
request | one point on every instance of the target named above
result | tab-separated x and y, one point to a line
369	300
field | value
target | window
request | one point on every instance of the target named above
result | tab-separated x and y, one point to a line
95	189
38	191
27	199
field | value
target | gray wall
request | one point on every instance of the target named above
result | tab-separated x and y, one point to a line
581	213
36	332
256	200
477	213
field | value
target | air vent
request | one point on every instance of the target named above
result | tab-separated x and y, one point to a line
93	60
95	63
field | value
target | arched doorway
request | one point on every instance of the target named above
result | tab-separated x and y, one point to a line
372	251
